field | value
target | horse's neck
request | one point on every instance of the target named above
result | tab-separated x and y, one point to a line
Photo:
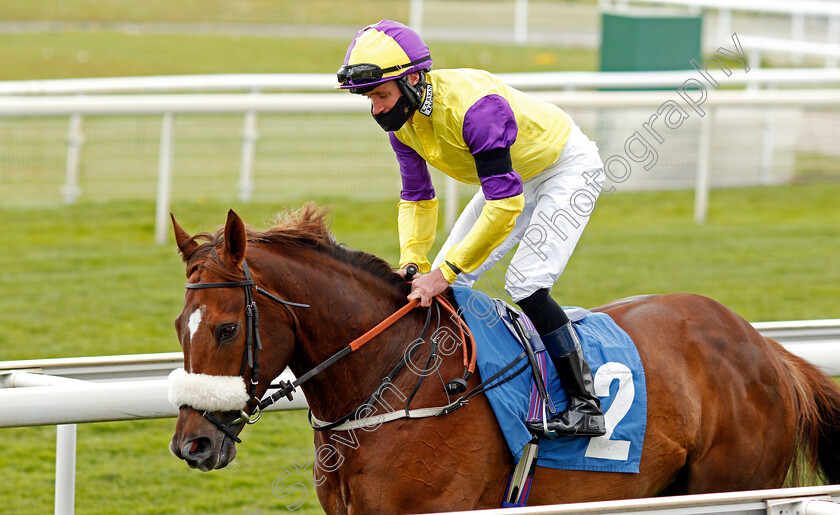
344	306
353	379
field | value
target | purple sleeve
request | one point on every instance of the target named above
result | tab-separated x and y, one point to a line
416	180
496	187
490	125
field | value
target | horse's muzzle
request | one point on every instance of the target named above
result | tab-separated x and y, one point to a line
201	444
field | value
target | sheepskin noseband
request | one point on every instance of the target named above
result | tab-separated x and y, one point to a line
206	392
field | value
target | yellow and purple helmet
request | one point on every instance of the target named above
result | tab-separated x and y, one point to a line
385	51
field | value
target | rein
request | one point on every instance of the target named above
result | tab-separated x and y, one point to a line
253	345
287	388
454	386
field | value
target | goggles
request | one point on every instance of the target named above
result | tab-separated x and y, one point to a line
366	73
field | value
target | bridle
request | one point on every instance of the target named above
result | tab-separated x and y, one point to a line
253	346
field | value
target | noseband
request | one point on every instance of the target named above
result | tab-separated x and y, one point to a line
253	345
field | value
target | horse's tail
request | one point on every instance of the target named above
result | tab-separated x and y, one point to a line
819	414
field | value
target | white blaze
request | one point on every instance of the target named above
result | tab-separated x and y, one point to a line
195	320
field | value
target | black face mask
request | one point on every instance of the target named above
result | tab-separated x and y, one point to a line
396	116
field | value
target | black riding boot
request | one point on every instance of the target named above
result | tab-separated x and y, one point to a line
583	416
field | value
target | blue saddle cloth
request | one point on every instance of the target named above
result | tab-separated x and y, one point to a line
616	368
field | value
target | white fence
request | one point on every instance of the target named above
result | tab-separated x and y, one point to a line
819	500
111	388
318	82
284	146
78	390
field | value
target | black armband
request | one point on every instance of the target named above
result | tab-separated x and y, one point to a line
453	268
493	162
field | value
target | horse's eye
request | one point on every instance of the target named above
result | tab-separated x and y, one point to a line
226	332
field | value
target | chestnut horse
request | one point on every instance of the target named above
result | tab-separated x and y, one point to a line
727	408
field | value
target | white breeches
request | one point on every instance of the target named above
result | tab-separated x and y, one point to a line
558	203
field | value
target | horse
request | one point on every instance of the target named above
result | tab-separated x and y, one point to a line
728	409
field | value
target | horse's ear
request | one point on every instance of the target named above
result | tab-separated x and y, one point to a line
236	240
186	243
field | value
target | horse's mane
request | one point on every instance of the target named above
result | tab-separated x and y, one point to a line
305	227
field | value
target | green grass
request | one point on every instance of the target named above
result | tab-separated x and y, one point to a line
279	12
327	12
88	44
105	54
817	167
126	467
88	280
119	283
768	253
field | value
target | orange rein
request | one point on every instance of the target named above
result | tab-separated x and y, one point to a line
388	322
462	327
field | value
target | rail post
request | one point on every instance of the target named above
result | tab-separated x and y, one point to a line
164	190
249	147
65	469
704	156
520	22
415	15
75	138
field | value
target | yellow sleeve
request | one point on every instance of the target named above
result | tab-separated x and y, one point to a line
492	228
417	224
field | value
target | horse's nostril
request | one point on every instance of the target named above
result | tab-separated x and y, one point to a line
174	450
197	449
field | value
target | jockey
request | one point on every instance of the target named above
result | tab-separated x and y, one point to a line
539	175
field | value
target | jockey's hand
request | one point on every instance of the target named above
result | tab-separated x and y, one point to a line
408	272
425	287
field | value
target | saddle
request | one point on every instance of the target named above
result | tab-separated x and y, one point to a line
503	335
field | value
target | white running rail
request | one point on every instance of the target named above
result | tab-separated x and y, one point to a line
816	500
249	104
68	391
322	83
112	388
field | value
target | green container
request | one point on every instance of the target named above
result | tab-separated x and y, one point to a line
649	41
